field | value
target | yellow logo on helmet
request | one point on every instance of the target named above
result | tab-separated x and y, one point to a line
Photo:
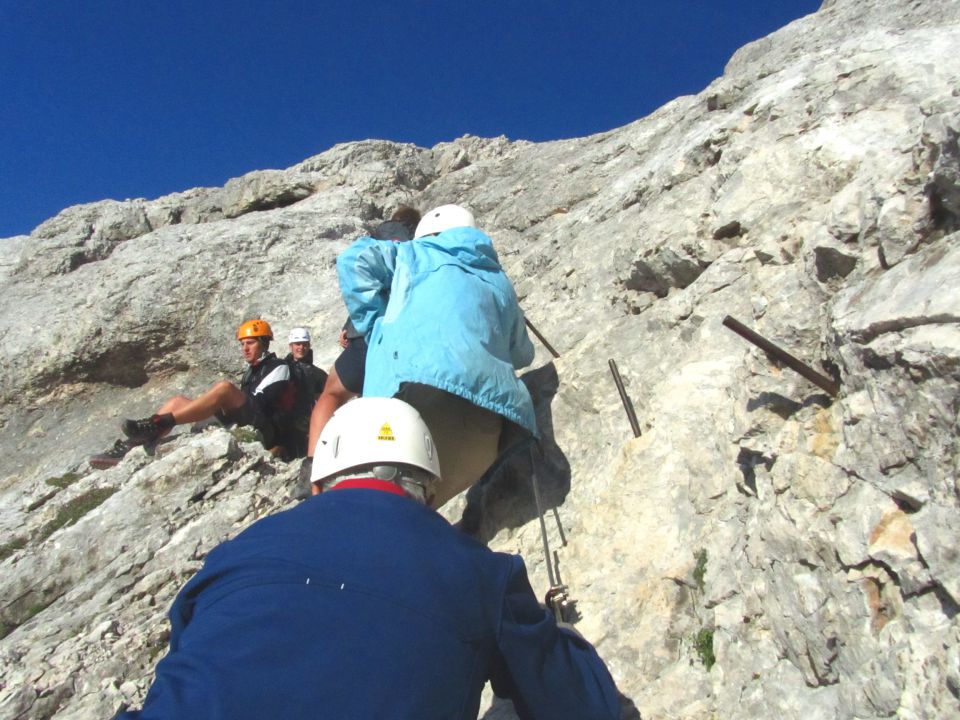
386	432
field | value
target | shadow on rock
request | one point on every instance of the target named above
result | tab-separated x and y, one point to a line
504	497
628	711
786	407
502	709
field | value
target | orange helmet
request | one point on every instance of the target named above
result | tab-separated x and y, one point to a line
255	329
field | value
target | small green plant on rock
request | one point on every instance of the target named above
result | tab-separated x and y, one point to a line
703	642
64	481
9	548
700	570
244	434
7	627
75	509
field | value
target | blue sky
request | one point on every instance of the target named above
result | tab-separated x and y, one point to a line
139	98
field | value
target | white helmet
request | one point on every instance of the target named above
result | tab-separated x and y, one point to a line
299	334
444	218
373	431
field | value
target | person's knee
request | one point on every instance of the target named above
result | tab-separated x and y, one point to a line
228	395
341	397
223	389
334	390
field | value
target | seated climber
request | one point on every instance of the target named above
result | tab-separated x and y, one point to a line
300	360
308	381
255	402
345	380
445	334
363	603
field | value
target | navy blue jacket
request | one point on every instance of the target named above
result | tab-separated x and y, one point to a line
362	604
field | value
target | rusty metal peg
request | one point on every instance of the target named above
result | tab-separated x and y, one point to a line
798	366
541	338
624	398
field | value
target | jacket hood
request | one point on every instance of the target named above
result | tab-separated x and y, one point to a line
468	245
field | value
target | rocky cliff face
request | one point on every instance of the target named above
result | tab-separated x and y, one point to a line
763	549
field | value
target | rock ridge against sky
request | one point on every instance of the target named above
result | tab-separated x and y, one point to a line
763	549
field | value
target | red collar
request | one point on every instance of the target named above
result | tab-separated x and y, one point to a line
369	484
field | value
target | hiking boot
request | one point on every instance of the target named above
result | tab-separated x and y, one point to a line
148	429
112	456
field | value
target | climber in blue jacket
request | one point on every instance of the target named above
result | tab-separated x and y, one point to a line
444	332
362	602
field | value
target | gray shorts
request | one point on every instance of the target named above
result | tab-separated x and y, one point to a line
466	436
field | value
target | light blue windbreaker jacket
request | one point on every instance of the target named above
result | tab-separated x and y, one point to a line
439	311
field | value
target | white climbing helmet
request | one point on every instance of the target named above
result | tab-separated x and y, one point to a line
373	431
299	334
444	218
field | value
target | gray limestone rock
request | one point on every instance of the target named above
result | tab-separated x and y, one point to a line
763	549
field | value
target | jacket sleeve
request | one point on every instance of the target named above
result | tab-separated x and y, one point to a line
550	673
521	349
365	271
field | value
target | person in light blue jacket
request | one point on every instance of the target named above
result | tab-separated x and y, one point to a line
446	334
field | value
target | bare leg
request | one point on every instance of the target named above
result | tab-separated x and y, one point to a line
222	396
333	396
